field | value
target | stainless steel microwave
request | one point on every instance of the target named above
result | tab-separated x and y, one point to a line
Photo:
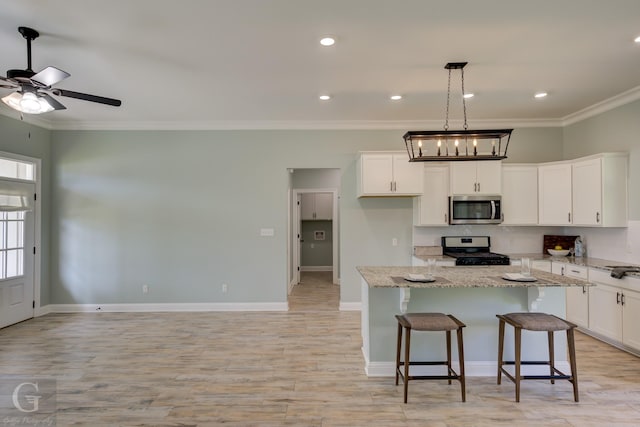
475	209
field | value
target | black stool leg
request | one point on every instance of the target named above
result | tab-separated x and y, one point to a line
461	358
449	355
518	343
407	345
572	361
500	349
551	355
398	351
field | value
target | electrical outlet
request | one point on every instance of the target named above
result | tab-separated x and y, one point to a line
145	289
394	242
225	287
313	246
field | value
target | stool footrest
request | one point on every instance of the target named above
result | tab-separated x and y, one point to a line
401	363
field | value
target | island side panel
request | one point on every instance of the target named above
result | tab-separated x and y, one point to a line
476	307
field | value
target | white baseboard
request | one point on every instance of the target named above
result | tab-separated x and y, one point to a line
350	306
316	268
141	308
472	369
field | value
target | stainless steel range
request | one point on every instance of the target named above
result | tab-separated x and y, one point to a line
472	250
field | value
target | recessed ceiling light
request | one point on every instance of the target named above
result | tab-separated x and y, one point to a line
637	39
327	41
467	95
540	94
395	97
324	97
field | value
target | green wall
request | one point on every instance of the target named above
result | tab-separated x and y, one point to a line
181	211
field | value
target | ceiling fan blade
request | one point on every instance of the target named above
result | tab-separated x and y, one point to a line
52	101
10	84
87	97
49	76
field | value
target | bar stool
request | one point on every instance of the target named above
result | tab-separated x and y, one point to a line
536	322
429	322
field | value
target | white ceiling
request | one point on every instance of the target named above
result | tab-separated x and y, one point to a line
258	63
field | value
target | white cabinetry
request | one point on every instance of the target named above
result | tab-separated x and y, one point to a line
554	194
476	177
520	194
432	207
599	191
388	174
614	309
316	206
577	296
591	191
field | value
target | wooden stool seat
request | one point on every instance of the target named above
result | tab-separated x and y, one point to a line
536	322
429	322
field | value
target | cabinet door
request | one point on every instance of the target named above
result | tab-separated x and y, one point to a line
376	173
586	182
463	177
520	194
605	314
432	208
578	305
489	176
631	319
407	176
324	206
307	206
554	194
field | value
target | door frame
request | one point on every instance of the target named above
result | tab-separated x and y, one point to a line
295	238
37	238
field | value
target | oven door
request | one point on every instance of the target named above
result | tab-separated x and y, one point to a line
475	210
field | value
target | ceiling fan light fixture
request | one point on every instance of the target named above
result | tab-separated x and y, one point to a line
27	102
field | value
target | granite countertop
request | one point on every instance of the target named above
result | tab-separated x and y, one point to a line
461	277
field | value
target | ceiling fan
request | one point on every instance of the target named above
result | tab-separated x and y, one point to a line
34	90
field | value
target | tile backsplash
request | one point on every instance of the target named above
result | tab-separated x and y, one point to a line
615	244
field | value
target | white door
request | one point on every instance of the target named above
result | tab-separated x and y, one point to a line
605	313
631	319
432	207
324	206
554	194
17	236
377	173
464	178
407	176
520	194
298	249
587	192
307	206
489	177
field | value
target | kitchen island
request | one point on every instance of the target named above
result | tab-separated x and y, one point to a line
474	295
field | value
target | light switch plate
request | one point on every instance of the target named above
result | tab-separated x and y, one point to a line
267	232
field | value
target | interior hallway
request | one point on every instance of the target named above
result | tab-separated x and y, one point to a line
315	292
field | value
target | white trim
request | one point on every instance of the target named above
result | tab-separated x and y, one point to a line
471	369
292	283
350	306
316	268
298	124
603	106
163	307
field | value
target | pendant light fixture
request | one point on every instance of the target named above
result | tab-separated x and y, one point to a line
456	145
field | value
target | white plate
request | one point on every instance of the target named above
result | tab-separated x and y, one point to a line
517	277
420	278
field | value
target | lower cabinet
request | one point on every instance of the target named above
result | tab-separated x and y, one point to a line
577	309
614	311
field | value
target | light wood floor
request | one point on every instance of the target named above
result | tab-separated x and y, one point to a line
315	292
271	369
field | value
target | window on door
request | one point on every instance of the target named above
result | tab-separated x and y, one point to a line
11	244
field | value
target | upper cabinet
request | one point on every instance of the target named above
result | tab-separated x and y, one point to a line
599	191
589	192
554	194
432	208
316	206
476	177
388	174
520	194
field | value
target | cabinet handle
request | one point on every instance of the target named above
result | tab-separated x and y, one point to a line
617	297
584	289
395	186
575	271
562	271
598	217
445	218
621	298
390	185
478	187
569	216
475	187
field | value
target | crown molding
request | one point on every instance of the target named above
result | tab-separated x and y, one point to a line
603	106
302	125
